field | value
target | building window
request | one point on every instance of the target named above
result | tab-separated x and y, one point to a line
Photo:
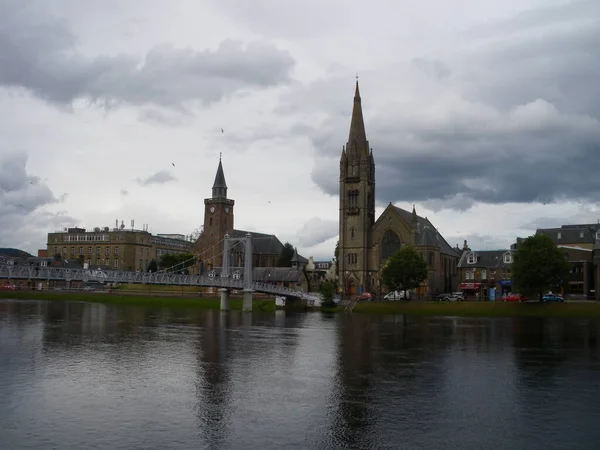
472	258
116	264
116	251
44	263
508	258
140	266
236	275
97	251
581	234
55	250
89	250
81	250
352	258
107	251
210	222
559	235
390	244
484	274
430	258
352	233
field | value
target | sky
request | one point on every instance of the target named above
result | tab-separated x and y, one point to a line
484	114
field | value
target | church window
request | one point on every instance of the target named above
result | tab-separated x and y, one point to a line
390	244
352	258
210	221
430	258
352	233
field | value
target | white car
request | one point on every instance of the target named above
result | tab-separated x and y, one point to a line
396	295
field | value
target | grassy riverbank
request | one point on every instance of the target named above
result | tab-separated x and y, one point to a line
483	309
137	300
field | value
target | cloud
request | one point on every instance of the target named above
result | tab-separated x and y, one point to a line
22	200
502	120
316	231
38	53
160	177
124	192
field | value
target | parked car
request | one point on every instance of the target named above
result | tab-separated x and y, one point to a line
552	298
513	298
365	297
396	295
451	297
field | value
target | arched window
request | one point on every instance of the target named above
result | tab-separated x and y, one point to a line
390	244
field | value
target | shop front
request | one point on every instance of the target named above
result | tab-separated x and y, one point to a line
504	287
471	289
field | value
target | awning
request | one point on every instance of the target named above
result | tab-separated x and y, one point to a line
470	286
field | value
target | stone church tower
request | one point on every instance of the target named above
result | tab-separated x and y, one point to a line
218	221
357	205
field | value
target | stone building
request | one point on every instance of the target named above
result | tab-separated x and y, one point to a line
116	248
366	241
219	221
485	274
580	244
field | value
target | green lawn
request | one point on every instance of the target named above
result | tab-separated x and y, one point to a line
140	300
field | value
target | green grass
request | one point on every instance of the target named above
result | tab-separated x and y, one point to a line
482	309
139	300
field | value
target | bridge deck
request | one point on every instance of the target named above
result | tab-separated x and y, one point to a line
115	276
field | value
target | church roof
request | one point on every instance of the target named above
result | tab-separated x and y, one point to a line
263	244
427	234
220	177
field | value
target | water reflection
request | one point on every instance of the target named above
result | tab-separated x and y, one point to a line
80	375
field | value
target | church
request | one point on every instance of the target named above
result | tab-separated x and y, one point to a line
219	221
366	242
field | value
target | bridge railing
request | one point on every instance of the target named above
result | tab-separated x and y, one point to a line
114	276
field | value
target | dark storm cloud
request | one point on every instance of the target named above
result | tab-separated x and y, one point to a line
513	120
39	54
22	196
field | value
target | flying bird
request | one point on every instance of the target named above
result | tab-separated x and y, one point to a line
222	131
173	164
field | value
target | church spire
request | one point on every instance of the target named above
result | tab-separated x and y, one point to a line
219	189
357	139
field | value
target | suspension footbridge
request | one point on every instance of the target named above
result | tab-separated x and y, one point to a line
229	278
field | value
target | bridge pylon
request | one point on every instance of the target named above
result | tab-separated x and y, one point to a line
228	241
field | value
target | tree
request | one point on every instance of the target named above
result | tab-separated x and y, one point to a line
152	266
539	266
287	253
176	262
404	270
327	290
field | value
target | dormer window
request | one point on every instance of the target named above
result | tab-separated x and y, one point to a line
472	258
508	259
559	235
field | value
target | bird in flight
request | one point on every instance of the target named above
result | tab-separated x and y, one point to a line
222	131
173	164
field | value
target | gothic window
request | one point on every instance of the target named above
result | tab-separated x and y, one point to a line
352	231
390	244
210	221
352	258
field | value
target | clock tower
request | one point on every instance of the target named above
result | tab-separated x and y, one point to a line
218	221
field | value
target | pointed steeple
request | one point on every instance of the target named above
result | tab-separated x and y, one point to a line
357	139
219	189
295	259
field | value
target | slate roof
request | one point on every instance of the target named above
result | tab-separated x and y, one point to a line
262	244
427	234
14	253
572	234
488	259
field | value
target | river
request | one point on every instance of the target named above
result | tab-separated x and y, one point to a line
93	376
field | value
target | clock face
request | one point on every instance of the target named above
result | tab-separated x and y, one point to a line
212	209
227	210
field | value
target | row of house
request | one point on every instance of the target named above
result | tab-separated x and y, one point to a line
486	274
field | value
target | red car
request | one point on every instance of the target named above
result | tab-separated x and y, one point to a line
365	297
513	298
